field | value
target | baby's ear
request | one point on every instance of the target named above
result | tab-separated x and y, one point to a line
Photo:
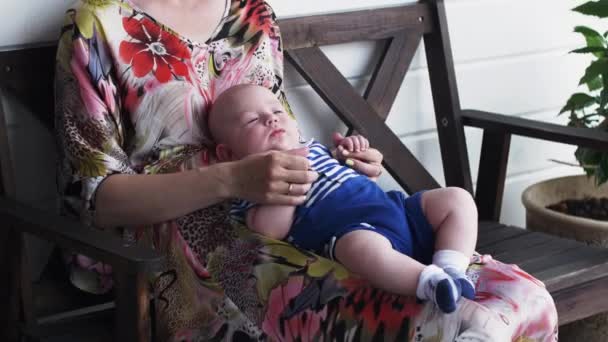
223	152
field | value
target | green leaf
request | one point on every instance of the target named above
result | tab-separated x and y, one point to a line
603	95
595	84
590	49
595	69
578	101
595	8
592	38
589	159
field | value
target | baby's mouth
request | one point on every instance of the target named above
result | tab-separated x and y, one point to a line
277	132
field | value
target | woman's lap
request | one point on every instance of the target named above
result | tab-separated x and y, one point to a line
265	288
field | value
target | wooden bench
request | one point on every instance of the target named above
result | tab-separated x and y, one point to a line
575	274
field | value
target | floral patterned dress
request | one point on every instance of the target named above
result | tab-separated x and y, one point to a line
131	97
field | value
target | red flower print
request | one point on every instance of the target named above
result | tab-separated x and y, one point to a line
153	49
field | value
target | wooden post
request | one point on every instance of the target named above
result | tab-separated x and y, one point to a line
446	101
132	307
492	174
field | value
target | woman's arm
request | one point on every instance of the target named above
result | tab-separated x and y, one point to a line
124	199
145	199
273	221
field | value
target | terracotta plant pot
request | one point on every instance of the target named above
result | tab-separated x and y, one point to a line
593	232
538	218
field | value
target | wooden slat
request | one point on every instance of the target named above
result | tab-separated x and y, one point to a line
388	76
549	247
27	294
446	102
492	174
563	281
581	301
28	75
303	32
10	288
7	181
486	228
528	241
579	263
65	322
591	138
566	259
9	247
501	233
133	322
339	95
69	233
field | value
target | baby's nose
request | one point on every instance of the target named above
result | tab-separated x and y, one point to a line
271	119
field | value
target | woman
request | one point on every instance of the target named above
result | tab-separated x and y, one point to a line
134	81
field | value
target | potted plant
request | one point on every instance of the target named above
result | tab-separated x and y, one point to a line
576	207
579	195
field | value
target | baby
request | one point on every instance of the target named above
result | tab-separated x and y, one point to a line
407	245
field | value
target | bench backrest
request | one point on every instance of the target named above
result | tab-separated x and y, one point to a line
27	75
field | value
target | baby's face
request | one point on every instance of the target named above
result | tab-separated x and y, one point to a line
250	119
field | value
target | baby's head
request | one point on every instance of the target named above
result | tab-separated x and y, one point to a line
248	119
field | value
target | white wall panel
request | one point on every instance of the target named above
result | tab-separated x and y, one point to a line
31	21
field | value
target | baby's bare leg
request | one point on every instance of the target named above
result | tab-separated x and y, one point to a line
371	255
453	215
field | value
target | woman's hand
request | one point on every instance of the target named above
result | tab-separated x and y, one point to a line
367	161
279	178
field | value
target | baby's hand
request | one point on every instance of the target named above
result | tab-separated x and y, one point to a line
354	143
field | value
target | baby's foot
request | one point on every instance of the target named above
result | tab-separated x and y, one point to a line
466	285
436	285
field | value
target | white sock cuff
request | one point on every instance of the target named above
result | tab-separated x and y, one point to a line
426	275
452	259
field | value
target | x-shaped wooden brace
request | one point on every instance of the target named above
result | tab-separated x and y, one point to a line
367	113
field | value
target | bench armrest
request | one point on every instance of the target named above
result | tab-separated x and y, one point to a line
498	130
584	137
71	234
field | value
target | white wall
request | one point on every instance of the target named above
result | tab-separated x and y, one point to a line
511	57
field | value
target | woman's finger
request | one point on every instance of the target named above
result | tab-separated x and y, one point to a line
296	190
281	199
299	177
292	160
371	170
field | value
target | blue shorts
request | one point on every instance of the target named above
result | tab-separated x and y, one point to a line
364	205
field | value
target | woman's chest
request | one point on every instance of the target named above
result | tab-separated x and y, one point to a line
194	19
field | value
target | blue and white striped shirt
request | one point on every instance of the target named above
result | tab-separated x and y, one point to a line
332	175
